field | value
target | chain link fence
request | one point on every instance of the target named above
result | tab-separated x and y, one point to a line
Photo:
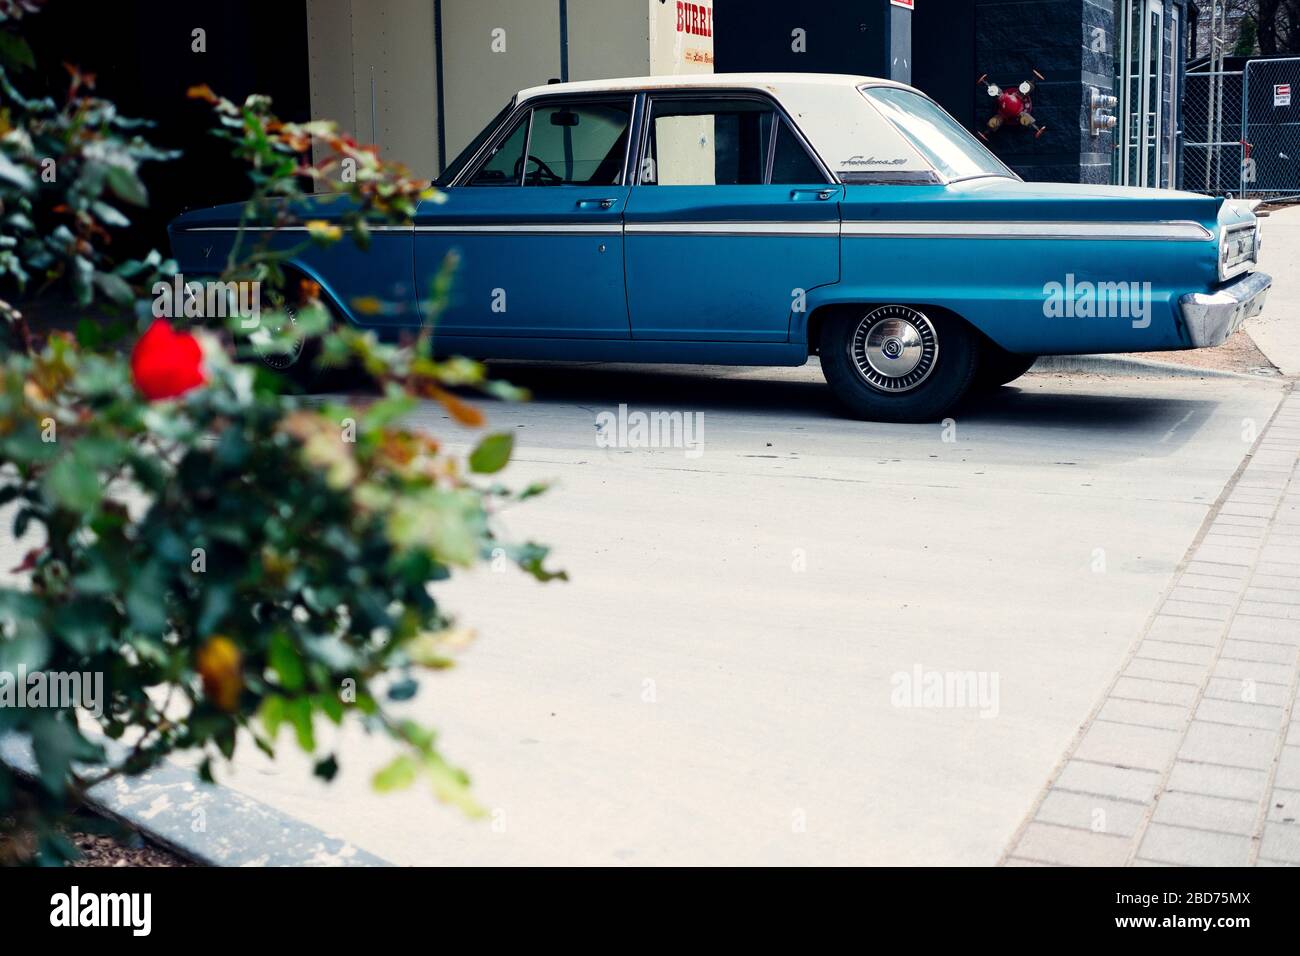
1212	150
1241	130
1271	124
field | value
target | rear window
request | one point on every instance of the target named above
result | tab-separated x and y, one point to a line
938	137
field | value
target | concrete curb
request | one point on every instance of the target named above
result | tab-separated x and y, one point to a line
167	803
1135	368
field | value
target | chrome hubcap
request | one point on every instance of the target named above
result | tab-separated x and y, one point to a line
894	348
284	356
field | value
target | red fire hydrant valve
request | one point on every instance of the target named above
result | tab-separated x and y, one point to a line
1014	105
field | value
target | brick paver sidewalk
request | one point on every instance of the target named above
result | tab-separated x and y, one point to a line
1193	756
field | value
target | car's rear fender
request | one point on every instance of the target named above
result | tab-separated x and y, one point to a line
1043	297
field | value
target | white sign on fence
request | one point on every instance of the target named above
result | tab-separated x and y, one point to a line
1281	94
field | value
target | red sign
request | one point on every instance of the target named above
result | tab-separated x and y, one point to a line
695	19
906	4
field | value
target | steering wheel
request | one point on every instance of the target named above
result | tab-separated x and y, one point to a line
545	175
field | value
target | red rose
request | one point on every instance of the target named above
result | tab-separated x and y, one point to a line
166	363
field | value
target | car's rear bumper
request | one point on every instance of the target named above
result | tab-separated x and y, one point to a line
1211	317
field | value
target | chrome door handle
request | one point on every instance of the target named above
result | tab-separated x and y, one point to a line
806	194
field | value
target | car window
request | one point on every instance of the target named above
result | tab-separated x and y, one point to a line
505	164
935	135
707	142
791	163
578	144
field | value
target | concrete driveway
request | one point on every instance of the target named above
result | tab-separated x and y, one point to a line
729	675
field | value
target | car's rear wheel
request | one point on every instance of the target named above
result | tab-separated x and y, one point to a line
896	363
998	367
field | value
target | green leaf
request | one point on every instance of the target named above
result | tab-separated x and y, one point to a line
57	744
450	524
115	288
126	185
146	599
388	410
218	597
89	333
110	215
298	710
14	175
73	485
84	625
14	51
273	715
451	785
284	660
397	775
492	453
25	645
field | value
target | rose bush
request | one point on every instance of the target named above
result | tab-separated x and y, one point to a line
234	559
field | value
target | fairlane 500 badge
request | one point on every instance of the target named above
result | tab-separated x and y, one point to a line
872	161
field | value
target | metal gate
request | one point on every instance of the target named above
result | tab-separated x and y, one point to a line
1271	128
1241	130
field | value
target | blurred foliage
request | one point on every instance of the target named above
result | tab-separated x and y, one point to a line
238	561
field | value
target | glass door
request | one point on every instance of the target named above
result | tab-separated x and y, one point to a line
1151	89
1140	89
1171	148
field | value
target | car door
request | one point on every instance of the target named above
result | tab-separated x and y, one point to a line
537	226
731	221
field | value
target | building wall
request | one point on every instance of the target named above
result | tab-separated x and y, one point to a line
1070	42
491	49
851	36
377	65
953	42
372	69
608	38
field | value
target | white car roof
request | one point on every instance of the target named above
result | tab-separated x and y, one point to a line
840	124
767	82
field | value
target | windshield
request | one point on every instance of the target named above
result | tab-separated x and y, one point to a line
935	135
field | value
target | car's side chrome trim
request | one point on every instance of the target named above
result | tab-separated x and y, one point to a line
514	228
370	228
735	228
882	177
1176	231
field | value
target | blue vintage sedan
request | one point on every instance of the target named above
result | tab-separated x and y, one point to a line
762	219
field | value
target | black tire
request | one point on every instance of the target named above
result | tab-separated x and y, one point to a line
999	367
936	355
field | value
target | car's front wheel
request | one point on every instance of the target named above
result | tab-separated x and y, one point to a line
896	363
